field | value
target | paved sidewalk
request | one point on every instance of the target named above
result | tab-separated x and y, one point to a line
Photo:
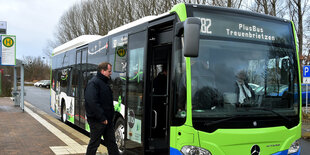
35	132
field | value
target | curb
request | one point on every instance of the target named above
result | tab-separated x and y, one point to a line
61	126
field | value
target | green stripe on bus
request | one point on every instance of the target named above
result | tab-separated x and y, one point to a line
299	77
180	9
189	93
71	119
117	107
87	127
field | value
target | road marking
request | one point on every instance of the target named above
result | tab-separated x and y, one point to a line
72	148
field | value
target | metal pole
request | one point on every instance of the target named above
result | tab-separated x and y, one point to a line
15	79
306	98
15	87
22	86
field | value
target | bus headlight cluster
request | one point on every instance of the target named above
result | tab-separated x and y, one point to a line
193	150
294	147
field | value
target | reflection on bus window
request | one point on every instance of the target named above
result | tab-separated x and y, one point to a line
271	81
136	65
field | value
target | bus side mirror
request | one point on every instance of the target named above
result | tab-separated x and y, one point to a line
191	33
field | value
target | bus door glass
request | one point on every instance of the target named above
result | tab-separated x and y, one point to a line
135	88
80	83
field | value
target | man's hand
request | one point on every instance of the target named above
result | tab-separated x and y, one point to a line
105	122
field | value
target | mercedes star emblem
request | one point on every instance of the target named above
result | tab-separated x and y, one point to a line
255	150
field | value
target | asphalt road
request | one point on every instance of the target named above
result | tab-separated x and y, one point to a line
305	147
40	98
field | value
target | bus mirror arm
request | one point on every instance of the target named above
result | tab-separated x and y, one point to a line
190	29
179	29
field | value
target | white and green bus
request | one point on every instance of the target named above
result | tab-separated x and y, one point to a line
201	107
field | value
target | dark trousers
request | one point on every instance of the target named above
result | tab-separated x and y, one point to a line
96	131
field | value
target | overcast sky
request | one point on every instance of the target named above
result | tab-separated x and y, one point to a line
33	22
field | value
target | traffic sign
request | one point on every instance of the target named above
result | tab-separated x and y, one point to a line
306	80
306	71
7	50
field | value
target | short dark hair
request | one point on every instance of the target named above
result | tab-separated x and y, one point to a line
103	66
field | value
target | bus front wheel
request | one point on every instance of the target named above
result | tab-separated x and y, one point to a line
119	134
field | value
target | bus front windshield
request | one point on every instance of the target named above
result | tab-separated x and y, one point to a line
235	82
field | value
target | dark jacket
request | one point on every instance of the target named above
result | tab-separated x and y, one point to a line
160	84
99	99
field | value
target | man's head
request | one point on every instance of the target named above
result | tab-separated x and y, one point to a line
242	76
105	69
164	69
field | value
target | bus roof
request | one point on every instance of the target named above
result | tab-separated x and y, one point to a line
132	24
85	39
79	41
235	10
135	23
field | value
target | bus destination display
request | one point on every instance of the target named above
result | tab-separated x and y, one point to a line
234	26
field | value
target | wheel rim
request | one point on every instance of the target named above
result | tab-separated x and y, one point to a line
119	137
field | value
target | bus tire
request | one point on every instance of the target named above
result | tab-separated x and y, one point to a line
120	134
63	113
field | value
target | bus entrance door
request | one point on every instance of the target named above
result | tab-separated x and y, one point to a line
159	60
78	85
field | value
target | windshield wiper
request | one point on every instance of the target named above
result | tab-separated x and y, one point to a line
276	113
239	116
224	120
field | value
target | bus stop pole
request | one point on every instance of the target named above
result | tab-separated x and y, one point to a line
15	81
15	87
22	86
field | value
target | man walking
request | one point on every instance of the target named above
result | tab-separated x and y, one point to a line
100	111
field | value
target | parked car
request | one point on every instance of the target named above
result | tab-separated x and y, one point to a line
46	84
303	93
253	86
273	91
43	83
39	83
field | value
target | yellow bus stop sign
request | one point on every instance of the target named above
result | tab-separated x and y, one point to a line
7	50
8	42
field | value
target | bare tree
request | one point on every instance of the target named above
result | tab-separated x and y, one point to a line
297	10
69	25
48	49
270	7
101	16
36	68
226	3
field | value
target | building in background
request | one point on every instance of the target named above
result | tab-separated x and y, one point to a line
3	27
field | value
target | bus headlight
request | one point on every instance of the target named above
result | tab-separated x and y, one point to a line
294	147
193	150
